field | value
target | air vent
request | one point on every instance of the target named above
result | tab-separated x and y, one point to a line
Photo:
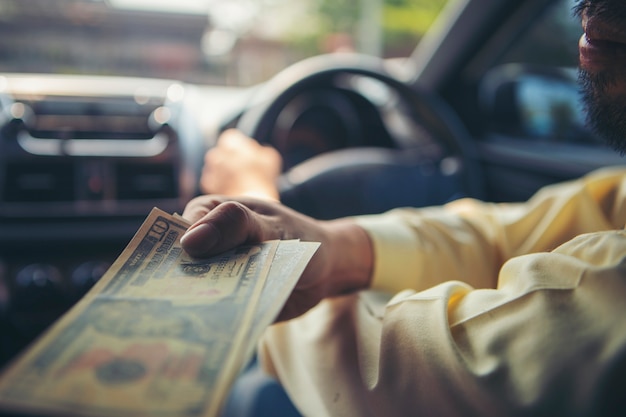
38	182
79	118
87	151
146	181
90	126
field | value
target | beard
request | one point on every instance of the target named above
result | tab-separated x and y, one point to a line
603	92
606	112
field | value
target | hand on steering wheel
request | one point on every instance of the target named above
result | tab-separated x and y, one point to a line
436	165
240	166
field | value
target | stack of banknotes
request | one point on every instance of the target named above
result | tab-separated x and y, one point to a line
161	333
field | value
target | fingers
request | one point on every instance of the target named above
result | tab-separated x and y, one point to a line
238	165
218	160
226	226
199	207
234	139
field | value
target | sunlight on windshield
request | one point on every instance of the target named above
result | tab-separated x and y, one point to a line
227	42
178	6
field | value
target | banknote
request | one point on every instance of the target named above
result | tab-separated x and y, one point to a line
161	334
290	260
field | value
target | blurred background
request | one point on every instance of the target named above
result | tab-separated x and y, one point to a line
223	42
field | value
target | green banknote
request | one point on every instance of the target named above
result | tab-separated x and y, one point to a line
291	257
161	334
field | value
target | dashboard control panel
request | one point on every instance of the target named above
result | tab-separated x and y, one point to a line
83	160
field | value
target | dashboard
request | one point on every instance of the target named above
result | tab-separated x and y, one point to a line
82	161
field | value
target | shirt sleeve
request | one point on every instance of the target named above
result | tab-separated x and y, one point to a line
541	333
469	241
550	340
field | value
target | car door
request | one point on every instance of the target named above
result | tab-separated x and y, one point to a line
516	92
535	131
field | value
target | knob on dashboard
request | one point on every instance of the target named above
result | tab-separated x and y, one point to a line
87	274
38	286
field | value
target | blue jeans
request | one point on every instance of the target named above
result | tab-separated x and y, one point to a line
256	394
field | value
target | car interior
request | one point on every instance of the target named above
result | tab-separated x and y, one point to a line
485	105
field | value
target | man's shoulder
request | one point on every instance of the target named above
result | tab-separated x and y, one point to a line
602	248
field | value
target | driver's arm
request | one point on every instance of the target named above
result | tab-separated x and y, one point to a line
239	166
544	332
547	339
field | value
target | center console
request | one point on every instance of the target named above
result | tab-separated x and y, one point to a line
82	162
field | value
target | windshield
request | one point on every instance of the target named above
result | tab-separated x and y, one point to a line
223	42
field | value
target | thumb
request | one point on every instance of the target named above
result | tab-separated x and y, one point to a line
228	225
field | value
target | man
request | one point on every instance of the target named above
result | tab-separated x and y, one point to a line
510	309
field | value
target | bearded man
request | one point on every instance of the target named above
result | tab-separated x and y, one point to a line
496	309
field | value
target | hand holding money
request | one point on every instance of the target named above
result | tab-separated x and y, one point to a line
170	325
342	264
161	334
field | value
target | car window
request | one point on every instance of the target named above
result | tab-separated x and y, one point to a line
543	63
551	40
226	42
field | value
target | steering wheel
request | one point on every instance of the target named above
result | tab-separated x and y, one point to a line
363	179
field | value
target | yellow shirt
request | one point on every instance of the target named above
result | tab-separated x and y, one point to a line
499	309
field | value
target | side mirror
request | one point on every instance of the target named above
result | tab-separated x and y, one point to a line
542	104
